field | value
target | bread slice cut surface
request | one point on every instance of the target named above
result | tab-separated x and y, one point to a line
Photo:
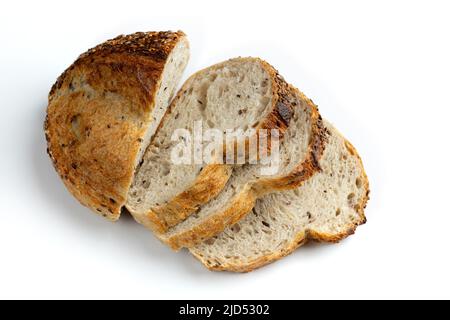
240	93
300	148
328	208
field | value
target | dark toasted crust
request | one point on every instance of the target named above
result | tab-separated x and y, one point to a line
98	113
215	177
310	166
145	47
244	202
282	108
303	237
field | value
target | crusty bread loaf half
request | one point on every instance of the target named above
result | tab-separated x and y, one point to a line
327	208
300	150
104	109
240	93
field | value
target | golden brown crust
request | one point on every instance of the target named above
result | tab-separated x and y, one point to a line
209	183
215	177
235	211
305	236
243	203
98	113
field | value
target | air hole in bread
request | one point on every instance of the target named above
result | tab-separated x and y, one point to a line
265	224
236	228
338	212
242	111
358	182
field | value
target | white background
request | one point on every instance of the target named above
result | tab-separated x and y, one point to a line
379	70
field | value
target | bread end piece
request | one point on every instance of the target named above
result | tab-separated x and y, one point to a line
100	111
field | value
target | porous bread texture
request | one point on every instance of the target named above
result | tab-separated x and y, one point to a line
104	109
240	93
328	208
300	148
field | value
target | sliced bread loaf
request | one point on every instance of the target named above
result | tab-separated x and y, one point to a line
300	149
328	208
240	93
104	109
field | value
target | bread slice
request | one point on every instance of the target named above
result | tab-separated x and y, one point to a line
326	208
104	109
239	93
300	150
